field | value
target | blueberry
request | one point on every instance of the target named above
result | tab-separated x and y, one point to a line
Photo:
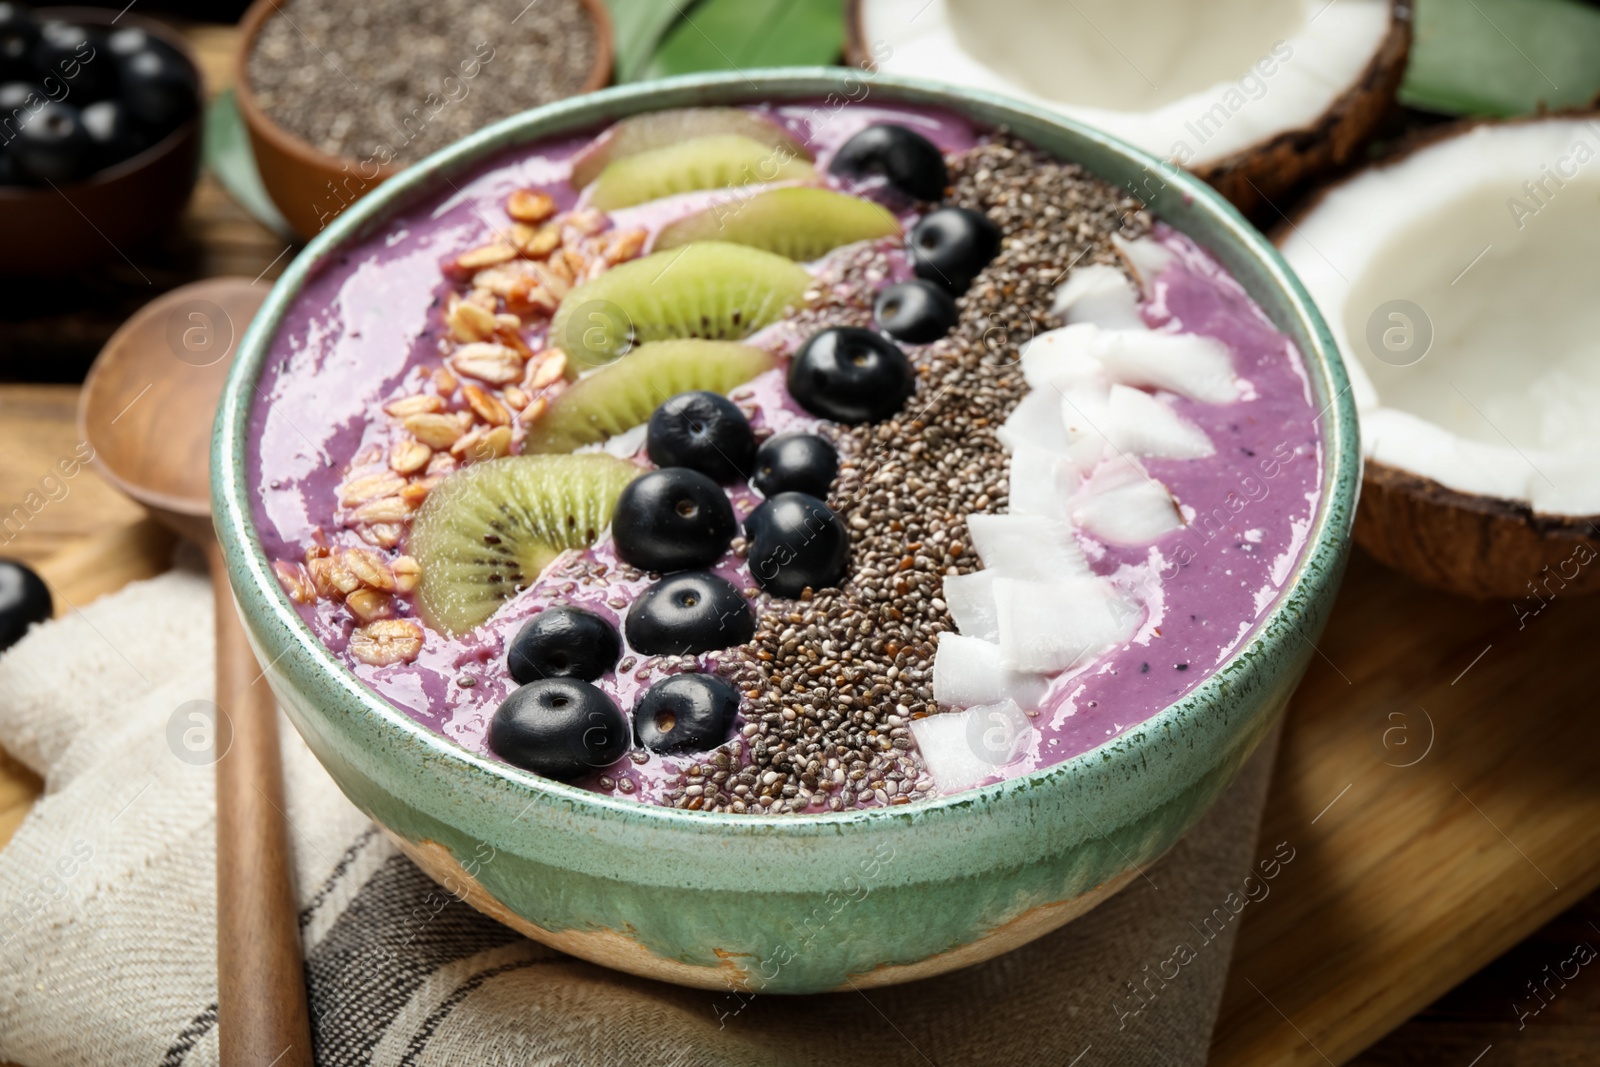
950	246
18	32
686	713
909	161
705	432
671	519
915	312
158	84
563	642
561	728
849	374
24	600
686	614
114	133
796	543
76	56
795	463
52	145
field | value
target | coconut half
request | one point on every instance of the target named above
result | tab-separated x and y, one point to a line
1458	280
1254	96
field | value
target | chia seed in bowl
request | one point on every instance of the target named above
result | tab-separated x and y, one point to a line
397	80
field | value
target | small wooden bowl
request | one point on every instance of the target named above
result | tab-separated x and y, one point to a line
310	186
105	216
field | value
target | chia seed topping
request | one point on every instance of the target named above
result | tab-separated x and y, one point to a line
832	683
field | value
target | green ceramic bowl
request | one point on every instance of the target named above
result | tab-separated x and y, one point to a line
798	904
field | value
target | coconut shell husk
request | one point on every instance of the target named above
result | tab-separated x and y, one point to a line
1256	178
1477	546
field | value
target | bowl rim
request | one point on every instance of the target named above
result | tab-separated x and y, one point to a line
309	155
187	130
258	589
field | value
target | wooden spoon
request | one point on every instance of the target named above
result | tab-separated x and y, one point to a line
146	409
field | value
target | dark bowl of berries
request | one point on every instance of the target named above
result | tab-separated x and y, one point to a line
786	531
99	135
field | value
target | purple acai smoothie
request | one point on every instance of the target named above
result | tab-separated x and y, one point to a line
372	397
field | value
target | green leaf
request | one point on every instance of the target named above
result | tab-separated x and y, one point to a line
225	146
741	34
1502	57
636	28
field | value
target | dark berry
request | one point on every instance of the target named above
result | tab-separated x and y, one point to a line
906	159
686	614
24	600
796	543
849	374
915	312
950	246
76	56
795	463
705	432
563	642
561	728
671	519
18	32
52	146
115	135
686	713
158	83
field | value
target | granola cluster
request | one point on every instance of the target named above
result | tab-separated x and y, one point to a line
495	376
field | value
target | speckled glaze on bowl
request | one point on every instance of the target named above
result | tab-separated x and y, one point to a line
801	903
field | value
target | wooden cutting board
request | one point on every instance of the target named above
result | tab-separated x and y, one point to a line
1439	782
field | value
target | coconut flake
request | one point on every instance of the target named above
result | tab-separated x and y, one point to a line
970	598
1120	502
1101	295
1051	626
1027	546
964	748
1040	482
968	672
1035	422
1141	425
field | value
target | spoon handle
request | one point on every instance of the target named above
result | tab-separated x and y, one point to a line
262	1016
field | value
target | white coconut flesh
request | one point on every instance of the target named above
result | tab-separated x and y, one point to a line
1192	81
1100	401
1488	242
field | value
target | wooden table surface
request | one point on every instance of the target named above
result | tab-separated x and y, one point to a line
1438	776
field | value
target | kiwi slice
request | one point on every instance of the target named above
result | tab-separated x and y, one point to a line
708	289
797	222
623	395
658	129
486	532
716	162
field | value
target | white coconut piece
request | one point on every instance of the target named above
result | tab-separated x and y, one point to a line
970	598
1027	546
963	748
1040	482
1457	282
968	672
626	444
1145	256
1063	357
1187	364
1140	424
1193	82
1034	423
1099	294
1050	626
1184	363
1121	503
